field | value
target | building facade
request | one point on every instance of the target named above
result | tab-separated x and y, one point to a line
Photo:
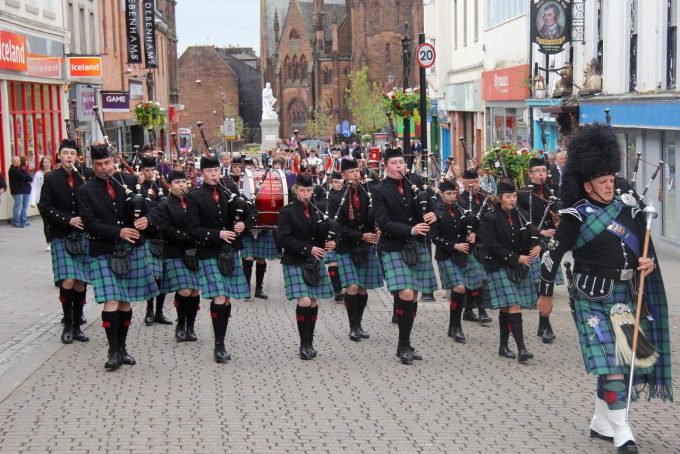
309	48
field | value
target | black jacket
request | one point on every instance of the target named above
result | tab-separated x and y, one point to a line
539	202
104	218
297	234
207	219
477	203
173	223
448	230
351	230
396	215
58	202
19	181
502	240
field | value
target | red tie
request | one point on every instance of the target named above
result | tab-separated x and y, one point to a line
510	218
307	213
400	187
451	212
476	196
356	200
182	202
540	192
110	190
215	194
71	182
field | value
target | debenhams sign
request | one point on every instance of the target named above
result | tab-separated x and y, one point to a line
13	52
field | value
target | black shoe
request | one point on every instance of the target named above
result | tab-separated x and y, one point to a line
458	335
394	318
549	334
79	335
306	353
191	335
427	297
405	355
628	446
180	334
483	316
470	316
127	358
67	334
546	337
594	434
311	349
260	294
339	297
354	334
221	354
362	333
83	320
417	356
161	319
149	318
505	352
523	355
114	362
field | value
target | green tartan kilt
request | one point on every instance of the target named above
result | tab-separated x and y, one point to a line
536	272
296	287
67	266
400	276
330	257
471	275
262	248
505	293
211	283
155	264
367	276
176	276
600	357
138	285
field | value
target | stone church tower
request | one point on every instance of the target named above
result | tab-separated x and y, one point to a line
309	48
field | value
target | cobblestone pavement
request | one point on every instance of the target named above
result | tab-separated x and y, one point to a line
355	397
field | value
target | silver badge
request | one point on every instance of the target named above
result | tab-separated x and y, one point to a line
553	244
628	199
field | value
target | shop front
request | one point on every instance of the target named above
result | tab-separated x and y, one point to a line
504	92
464	106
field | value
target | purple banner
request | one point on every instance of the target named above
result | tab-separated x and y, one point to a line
115	101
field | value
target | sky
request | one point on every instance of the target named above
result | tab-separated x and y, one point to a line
218	22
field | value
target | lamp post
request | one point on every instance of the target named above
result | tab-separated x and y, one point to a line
406	68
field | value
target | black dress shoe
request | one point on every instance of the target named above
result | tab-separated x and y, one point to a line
114	362
260	294
127	358
394	318
458	335
483	316
305	353
311	349
362	333
470	316
546	337
354	334
67	335
427	297
594	434
83	320
405	356
180	334
79	335
339	297
417	356
505	352
549	334
523	355
191	335
161	319
149	318
451	331
628	446
221	354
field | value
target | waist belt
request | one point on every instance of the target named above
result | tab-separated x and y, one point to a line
625	274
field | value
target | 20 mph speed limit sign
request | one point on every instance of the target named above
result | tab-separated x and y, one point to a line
425	55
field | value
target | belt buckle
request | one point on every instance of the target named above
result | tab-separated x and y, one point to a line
627	274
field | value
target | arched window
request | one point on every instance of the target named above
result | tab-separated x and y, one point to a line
296	68
294	34
303	68
329	104
327	76
287	70
297	111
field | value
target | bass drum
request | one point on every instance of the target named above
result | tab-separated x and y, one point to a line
272	196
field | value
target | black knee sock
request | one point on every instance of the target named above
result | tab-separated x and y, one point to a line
362	300
182	306
412	310
469	300
260	270
351	305
335	278
110	322
504	326
219	315
517	329
476	295
125	320
456	308
160	300
66	300
192	306
300	315
247	270
313	315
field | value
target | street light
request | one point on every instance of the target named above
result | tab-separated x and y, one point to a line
406	67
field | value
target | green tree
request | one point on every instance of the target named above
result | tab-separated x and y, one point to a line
321	123
364	101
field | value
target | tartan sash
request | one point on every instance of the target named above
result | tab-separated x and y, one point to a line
596	221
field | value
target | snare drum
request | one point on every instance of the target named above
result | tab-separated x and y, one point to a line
273	195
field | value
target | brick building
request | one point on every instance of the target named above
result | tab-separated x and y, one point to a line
217	82
309	48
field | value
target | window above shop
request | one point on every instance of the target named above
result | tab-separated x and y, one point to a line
499	11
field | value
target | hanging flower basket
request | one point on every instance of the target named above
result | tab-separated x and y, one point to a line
404	103
149	113
516	162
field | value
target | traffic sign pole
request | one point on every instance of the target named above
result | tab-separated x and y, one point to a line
423	100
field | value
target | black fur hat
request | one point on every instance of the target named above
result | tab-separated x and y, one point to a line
148	162
66	143
176	175
505	188
348	164
593	152
447	185
470	174
304	181
209	162
536	162
391	153
99	152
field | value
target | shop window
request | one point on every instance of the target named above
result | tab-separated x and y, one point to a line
669	206
672	43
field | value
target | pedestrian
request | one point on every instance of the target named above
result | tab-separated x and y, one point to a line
405	248
20	187
36	187
216	223
510	248
118	269
605	234
59	208
305	242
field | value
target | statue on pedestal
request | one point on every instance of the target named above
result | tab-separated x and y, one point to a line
268	101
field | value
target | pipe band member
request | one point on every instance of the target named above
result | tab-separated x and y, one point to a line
404	226
605	233
510	249
215	224
59	209
118	269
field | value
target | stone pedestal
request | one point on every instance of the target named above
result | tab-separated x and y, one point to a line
270	134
